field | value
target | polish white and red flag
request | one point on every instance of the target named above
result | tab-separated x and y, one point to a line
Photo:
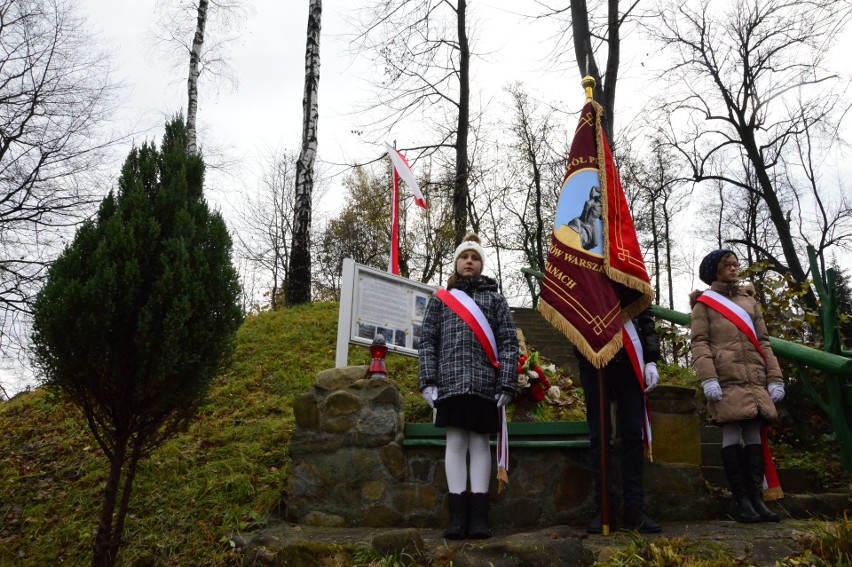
400	170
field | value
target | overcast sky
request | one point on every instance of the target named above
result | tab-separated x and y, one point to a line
265	109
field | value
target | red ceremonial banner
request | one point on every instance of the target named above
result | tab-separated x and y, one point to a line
595	276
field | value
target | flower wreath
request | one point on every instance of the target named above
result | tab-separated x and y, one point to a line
533	380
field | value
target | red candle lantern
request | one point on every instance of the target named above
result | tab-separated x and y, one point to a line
378	351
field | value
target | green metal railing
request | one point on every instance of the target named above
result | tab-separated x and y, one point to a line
833	360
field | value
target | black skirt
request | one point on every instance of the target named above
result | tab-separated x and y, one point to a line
468	412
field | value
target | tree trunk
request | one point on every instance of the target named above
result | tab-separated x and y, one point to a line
604	91
299	269
192	81
104	555
460	186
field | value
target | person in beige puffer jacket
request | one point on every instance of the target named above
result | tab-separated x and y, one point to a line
741	382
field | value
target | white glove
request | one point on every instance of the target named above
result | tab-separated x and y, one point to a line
503	399
776	391
712	390
430	394
651	376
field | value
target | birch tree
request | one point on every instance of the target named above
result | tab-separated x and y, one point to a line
299	270
184	30
194	72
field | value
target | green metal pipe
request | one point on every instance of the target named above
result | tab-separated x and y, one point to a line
821	360
786	349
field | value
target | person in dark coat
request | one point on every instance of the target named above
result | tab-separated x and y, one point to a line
623	388
742	383
456	377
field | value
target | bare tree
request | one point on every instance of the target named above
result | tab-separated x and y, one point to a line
751	92
194	72
586	32
298	288
661	195
182	30
423	47
525	187
56	97
266	224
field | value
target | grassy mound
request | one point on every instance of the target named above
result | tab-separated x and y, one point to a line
223	475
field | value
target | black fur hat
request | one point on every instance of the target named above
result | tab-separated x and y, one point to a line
709	267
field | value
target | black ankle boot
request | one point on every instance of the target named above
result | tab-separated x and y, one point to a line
458	504
638	521
732	459
478	527
754	466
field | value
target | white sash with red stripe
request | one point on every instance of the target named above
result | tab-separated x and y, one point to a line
465	307
734	313
633	348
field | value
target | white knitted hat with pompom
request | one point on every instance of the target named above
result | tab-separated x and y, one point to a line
470	242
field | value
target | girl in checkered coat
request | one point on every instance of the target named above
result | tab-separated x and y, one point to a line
457	378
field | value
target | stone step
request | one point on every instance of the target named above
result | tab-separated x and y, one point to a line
792	480
711	454
711	434
714	475
541	336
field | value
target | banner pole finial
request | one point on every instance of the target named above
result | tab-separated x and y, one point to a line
588	84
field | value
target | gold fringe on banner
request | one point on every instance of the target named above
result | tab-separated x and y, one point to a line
561	324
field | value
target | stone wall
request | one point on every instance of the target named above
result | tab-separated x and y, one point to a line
350	467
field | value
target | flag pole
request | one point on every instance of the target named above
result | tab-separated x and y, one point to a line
588	84
603	445
393	258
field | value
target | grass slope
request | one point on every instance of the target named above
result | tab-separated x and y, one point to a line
223	475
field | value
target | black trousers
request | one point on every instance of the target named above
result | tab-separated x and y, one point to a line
624	389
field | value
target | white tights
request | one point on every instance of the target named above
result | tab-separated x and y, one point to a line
749	430
460	443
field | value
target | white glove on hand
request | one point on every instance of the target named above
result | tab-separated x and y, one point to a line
430	394
651	376
503	399
712	390
776	391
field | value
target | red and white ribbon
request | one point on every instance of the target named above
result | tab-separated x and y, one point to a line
734	313
401	166
633	348
465	307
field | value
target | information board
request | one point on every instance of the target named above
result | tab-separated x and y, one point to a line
375	302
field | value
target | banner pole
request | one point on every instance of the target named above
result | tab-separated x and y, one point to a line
603	446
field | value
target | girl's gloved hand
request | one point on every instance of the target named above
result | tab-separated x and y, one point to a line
430	394
712	390
503	399
651	376
776	391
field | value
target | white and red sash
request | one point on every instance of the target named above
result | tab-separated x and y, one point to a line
734	313
633	348
743	321
465	307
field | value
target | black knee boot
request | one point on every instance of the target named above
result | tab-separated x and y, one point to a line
754	467
458	504
478	528
732	459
